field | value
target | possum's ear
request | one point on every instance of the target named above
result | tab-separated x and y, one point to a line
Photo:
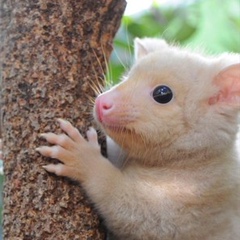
228	81
144	46
139	49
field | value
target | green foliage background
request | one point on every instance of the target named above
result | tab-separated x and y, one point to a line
213	25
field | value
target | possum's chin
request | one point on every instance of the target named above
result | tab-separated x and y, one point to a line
118	133
127	139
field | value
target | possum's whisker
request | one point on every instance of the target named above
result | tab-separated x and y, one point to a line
100	66
106	70
92	120
125	56
130	52
91	101
88	112
96	87
100	80
120	60
109	74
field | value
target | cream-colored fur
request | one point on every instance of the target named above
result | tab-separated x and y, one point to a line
180	178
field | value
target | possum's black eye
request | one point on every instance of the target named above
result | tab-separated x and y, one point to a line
162	94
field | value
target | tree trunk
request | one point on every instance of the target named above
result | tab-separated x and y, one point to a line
51	52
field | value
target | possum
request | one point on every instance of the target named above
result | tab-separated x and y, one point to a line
174	169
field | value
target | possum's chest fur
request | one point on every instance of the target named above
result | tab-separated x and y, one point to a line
179	204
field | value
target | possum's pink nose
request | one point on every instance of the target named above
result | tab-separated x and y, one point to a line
113	110
104	105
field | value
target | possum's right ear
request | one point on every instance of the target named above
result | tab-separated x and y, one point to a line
144	46
228	81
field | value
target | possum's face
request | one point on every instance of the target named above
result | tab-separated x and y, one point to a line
169	98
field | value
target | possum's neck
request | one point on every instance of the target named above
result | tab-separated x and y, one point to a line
172	157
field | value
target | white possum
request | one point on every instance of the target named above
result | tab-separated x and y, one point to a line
175	120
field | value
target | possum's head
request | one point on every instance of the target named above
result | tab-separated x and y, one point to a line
172	100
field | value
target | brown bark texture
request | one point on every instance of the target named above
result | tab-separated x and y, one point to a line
51	54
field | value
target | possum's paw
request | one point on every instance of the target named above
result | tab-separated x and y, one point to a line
74	152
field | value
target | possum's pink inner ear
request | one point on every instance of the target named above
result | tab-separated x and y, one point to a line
228	80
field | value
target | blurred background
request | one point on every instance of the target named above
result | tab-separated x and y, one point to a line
213	25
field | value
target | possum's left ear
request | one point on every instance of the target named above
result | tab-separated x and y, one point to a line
139	49
228	80
144	46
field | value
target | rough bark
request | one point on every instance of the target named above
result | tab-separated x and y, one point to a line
51	52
